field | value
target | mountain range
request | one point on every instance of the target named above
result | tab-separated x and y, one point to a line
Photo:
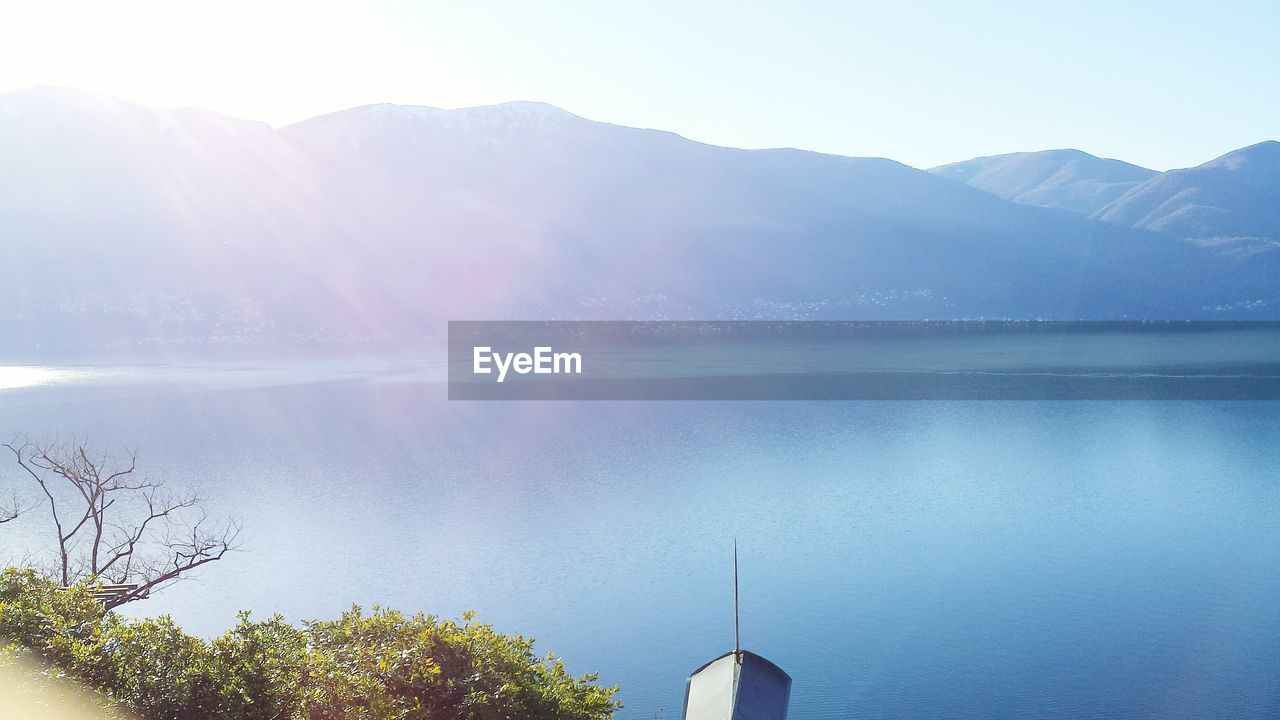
1230	202
1068	179
128	226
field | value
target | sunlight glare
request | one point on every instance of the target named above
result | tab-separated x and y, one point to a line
21	376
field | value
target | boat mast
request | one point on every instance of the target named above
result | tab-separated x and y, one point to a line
737	638
739	684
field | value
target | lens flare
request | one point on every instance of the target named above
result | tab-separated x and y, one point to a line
29	692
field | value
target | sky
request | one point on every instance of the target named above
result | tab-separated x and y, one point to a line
1161	84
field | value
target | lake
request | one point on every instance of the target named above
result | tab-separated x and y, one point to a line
906	559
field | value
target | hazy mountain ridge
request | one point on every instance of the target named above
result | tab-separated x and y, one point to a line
1231	203
1234	196
136	225
1066	179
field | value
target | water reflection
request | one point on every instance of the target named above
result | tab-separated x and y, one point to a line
23	376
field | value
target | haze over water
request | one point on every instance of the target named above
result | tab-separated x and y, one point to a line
899	559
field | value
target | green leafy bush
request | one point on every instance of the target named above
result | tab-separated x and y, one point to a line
379	665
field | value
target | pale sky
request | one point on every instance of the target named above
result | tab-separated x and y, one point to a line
1162	84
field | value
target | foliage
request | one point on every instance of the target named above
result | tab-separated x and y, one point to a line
62	627
378	665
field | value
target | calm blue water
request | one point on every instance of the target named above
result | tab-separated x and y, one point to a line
899	559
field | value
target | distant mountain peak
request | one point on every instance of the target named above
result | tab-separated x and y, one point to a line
1266	152
527	106
353	126
39	105
1232	197
1064	178
514	109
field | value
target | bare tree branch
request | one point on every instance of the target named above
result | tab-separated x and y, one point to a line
113	524
11	509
